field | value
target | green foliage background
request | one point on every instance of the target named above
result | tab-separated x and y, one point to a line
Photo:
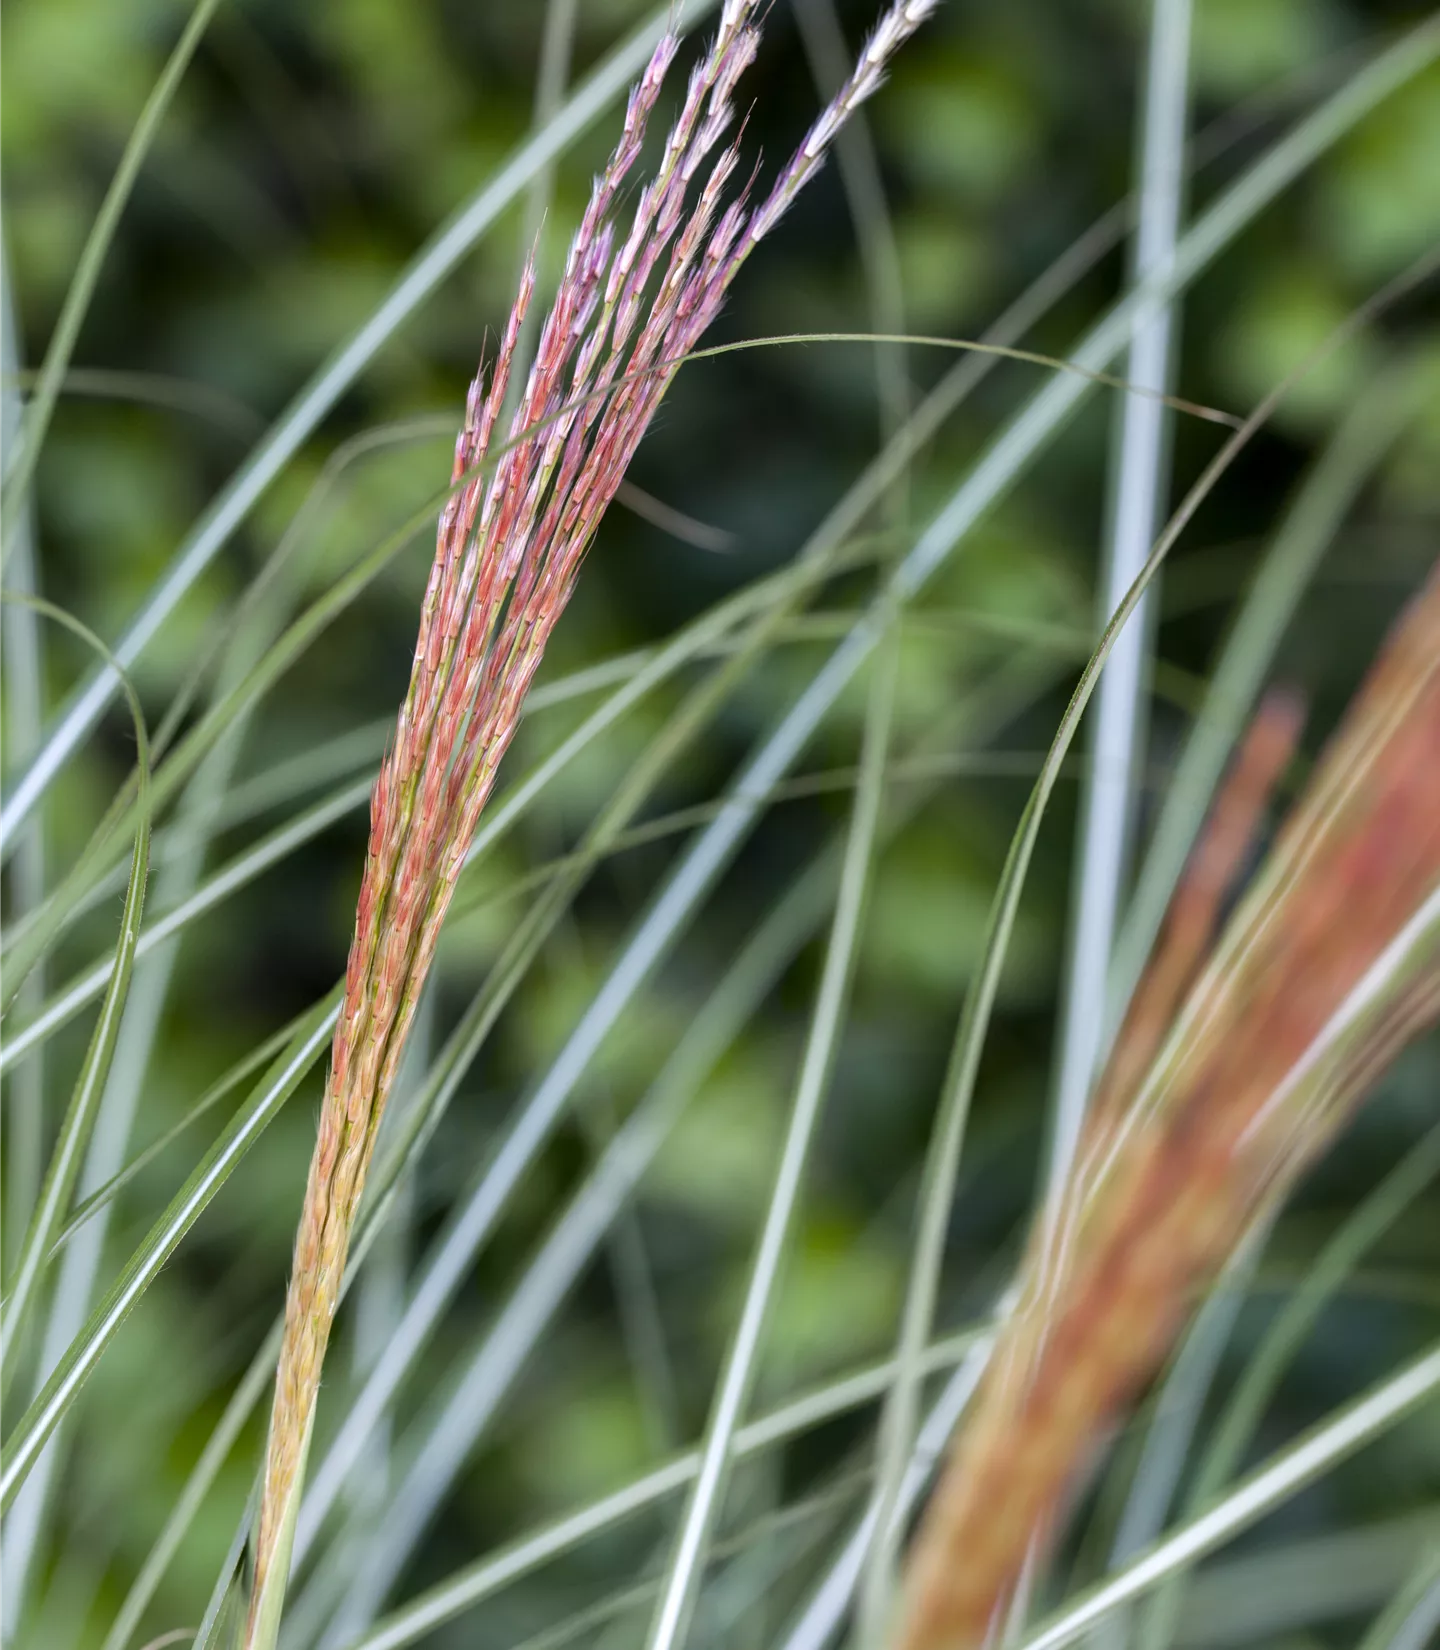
310	151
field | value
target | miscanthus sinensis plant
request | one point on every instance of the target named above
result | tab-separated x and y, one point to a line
632	303
1248	1041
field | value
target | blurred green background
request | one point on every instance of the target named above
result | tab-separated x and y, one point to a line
310	151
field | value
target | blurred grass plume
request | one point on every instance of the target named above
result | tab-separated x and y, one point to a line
1235	1067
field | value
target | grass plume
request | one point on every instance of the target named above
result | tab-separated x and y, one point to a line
630	305
1235	1067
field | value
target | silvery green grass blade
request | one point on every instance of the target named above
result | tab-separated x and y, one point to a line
879	254
675	1606
79	992
860	177
259	1109
233	504
1312	1582
1138	483
81	1263
187	1505
875	233
1240	1420
103	1196
217	1626
188	397
774	1541
22	663
1176	1411
859	167
25	455
70	1144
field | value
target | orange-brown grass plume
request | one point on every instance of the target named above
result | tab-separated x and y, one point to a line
1230	1074
632	302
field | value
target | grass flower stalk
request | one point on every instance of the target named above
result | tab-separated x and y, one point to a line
1237	1064
525	505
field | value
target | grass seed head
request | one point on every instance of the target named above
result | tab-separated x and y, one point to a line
1231	1073
631	304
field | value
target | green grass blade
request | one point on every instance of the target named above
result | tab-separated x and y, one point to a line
1176	1414
103	1196
879	253
859	167
187	397
74	1135
219	886
80	1265
215	1631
